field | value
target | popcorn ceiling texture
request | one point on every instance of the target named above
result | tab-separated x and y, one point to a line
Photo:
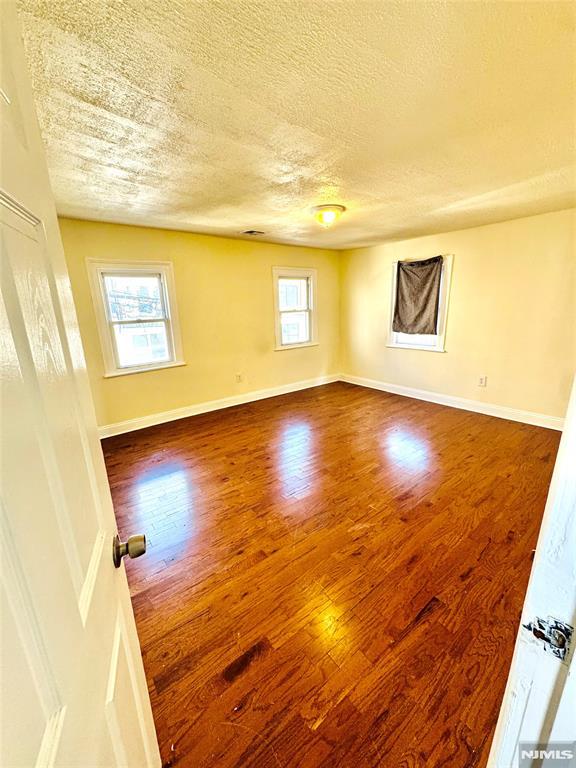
219	117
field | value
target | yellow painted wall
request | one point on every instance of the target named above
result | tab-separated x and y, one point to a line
512	314
225	302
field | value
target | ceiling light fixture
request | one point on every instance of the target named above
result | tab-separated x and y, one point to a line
326	215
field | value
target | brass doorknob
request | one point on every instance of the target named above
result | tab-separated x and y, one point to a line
134	547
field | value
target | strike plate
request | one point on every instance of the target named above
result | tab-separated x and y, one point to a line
555	635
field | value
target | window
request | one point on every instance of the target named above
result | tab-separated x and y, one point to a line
294	297
136	312
431	342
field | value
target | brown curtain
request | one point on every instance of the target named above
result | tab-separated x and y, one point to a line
417	296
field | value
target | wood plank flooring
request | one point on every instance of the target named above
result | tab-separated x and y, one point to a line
334	577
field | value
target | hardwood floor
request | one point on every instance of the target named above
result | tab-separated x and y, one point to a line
333	578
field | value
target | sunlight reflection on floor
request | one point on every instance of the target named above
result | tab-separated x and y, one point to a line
408	450
294	458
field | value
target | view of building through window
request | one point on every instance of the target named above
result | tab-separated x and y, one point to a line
137	312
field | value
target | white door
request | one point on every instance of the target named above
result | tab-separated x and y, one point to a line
539	705
73	686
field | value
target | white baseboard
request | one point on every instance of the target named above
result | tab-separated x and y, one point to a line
212	405
501	411
490	409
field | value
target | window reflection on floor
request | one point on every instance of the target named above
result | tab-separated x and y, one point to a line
295	458
164	504
409	450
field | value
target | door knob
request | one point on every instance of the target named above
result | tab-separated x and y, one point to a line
134	547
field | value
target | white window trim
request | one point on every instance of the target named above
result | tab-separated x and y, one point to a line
96	269
310	274
445	283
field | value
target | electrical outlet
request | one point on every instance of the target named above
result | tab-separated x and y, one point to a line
483	381
239	378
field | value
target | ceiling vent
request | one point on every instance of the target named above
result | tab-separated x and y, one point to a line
252	232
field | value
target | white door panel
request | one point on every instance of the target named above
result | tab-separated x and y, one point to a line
25	715
73	687
45	376
121	700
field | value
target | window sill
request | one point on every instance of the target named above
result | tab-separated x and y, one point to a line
281	347
414	346
143	369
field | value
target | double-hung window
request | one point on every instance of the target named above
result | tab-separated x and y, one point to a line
135	307
294	303
433	342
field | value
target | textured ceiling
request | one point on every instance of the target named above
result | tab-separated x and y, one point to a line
219	117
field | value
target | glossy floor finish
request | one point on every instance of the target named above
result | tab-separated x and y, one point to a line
334	577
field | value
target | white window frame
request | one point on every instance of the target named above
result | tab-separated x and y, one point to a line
296	272
445	282
97	270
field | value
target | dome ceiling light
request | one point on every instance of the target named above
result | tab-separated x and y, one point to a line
326	215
